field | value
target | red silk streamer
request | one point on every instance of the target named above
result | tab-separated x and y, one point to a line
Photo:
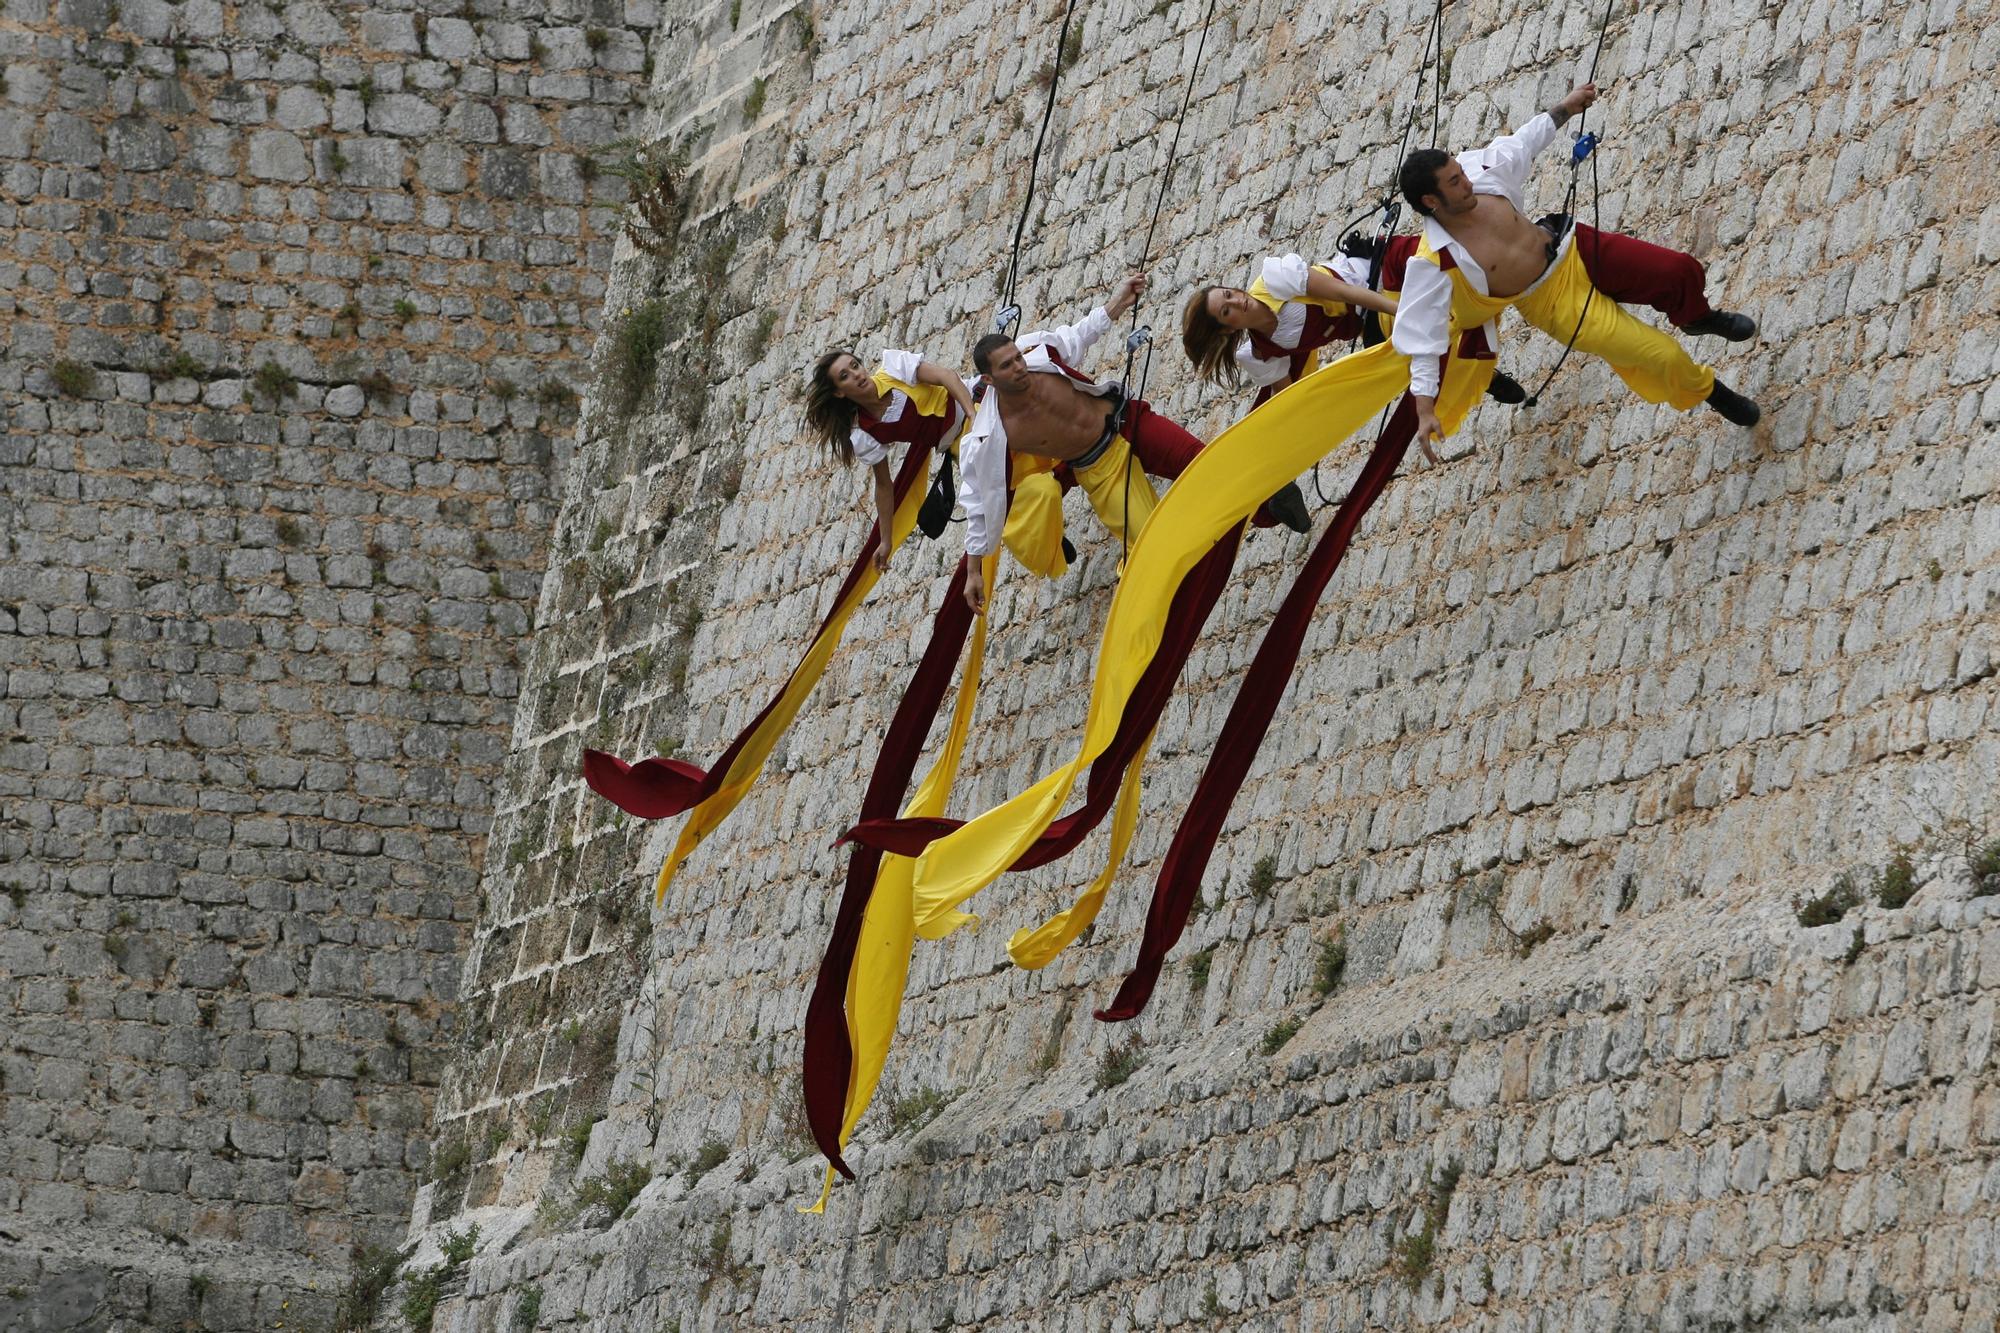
662	788
1249	719
1191	608
829	1055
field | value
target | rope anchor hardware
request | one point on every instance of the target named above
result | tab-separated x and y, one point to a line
1008	317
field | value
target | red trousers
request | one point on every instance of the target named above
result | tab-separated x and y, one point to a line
1634	272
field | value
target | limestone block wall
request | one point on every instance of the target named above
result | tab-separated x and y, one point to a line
295	299
1612	688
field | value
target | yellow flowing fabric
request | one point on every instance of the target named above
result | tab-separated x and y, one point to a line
1037	947
749	761
1033	535
881	967
1221	487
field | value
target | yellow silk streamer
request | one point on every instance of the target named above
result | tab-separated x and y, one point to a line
749	761
881	967
1037	947
1221	486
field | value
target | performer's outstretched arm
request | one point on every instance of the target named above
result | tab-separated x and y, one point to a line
1324	286
929	372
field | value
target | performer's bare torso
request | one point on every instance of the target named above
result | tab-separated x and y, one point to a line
1512	250
1052	418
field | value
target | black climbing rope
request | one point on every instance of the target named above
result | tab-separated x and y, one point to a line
1010	313
1390	208
1583	150
1142	336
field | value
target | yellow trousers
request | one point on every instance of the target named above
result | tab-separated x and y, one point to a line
1119	490
1653	365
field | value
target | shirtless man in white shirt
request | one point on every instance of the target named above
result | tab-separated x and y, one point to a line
1038	403
1481	254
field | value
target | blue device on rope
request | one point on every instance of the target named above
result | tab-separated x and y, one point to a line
1138	337
1581	149
1008	317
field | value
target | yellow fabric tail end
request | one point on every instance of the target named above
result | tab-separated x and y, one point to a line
881	970
1036	948
825	1193
749	761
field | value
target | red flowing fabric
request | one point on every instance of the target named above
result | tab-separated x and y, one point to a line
1192	605
660	788
1249	719
829	1055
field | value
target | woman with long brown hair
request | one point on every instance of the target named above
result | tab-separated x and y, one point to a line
858	415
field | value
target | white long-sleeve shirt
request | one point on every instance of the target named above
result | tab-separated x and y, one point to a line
900	365
982	450
1423	315
1285	277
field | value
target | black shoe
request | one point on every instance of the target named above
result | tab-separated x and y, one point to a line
1733	405
1288	506
1723	324
1069	552
1506	389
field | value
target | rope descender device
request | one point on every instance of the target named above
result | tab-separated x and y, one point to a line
1585	143
1009	316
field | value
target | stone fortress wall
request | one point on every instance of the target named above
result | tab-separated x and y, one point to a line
1613	690
296	298
1585	713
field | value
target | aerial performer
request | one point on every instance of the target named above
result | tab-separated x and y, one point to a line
857	416
1479	254
1044	408
1271	332
1630	271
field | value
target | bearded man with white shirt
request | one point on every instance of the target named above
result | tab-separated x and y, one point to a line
1480	254
1036	402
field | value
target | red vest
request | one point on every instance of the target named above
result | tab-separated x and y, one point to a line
911	428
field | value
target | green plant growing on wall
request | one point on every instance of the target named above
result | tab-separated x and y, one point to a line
712	1153
632	356
1281	1034
74	378
616	1188
527	1311
1824	909
1198	968
273	383
1415	1252
918	1109
656	177
1332	963
1119	1064
753	101
1896	884
371	1273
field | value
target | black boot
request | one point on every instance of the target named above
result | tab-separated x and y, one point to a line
1288	506
1506	389
1069	552
1733	406
1723	324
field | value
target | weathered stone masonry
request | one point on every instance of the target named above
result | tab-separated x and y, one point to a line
296	299
1621	681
